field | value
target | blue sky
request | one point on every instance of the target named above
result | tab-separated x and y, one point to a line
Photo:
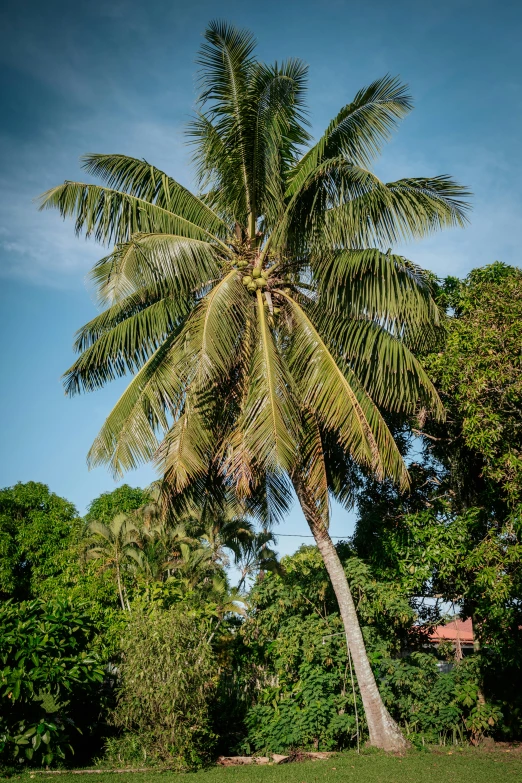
118	76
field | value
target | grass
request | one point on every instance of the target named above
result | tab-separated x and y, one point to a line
444	766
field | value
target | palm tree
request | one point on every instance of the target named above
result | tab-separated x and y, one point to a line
219	527
266	320
117	546
256	555
226	601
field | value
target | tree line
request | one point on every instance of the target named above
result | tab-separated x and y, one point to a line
125	625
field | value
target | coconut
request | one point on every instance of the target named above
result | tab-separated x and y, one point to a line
265	273
260	282
252	287
242	264
247	279
256	272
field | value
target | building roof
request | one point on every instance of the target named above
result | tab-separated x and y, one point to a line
455	629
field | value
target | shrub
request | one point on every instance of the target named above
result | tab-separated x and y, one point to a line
168	675
49	677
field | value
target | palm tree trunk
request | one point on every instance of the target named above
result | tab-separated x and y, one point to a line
384	732
118	578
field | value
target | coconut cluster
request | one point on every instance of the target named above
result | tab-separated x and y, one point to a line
257	278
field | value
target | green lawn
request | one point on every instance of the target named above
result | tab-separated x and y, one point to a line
468	766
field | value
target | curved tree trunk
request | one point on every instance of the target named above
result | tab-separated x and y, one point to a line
384	732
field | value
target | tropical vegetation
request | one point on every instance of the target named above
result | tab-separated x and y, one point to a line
279	349
266	320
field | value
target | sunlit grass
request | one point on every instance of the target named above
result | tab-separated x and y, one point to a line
437	766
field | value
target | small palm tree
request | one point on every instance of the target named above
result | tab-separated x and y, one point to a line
256	556
219	528
117	546
227	601
266	320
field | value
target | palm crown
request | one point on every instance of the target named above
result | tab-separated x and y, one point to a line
265	320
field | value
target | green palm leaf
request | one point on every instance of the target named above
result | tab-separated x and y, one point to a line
129	435
375	285
139	178
113	216
334	394
386	368
358	131
397	211
123	348
269	418
183	456
173	263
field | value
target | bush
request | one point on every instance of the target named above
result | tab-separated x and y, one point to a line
168	675
49	677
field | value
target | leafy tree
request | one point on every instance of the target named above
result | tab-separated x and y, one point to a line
122	500
37	527
257	556
49	680
295	652
264	320
456	535
478	372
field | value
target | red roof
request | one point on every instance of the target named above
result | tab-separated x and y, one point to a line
455	629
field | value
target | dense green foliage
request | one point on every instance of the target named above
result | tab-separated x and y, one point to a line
50	675
36	529
479	375
167	677
296	646
186	667
122	500
457	535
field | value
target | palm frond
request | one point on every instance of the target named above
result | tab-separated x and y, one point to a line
113	216
226	62
130	433
269	419
338	401
373	285
276	97
359	130
139	178
166	261
184	454
386	368
312	468
396	211
214	331
125	347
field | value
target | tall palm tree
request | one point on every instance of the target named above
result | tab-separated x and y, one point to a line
117	546
266	320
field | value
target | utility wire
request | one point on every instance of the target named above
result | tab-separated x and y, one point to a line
299	535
